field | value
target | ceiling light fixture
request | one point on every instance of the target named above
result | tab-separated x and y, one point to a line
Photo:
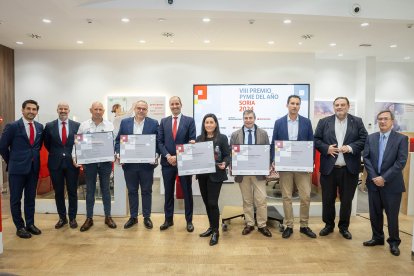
407	58
287	21
79	42
45	20
206	19
19	42
271	42
300	43
206	41
365	24
393	46
142	41
125	20
333	44
340	55
161	19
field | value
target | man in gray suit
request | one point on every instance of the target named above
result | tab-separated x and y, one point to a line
253	188
385	156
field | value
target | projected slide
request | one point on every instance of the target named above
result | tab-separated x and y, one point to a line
228	102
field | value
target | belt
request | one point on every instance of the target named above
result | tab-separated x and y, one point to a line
339	167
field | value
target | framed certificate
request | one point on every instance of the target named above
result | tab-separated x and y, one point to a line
294	156
137	148
94	147
195	158
250	159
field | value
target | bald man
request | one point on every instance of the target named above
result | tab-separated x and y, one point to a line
103	169
59	141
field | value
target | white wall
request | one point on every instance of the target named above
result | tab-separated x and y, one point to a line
395	82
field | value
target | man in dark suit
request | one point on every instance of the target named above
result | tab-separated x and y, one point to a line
294	127
385	155
340	139
174	130
20	146
138	174
59	141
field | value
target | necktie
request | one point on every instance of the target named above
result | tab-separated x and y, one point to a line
381	151
64	136
32	134
175	127
250	137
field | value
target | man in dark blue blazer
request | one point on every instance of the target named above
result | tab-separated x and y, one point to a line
59	141
340	139
385	155
138	174
20	146
174	130
294	127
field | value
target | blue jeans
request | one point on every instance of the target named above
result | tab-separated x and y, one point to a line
104	170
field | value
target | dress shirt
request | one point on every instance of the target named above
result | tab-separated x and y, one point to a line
340	131
246	135
89	126
138	126
293	128
178	120
27	128
60	128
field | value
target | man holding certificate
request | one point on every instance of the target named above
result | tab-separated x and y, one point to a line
252	187
175	130
136	172
103	169
294	127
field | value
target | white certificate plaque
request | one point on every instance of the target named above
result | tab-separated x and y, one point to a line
137	148
195	158
294	156
94	147
250	159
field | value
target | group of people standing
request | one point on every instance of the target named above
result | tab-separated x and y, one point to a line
340	139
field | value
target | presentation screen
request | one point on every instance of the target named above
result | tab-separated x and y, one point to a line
228	102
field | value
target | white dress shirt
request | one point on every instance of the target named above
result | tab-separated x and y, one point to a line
293	128
340	131
138	126
27	128
61	126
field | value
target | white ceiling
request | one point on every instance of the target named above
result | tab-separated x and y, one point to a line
230	28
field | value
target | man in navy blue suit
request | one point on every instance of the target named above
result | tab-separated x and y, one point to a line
340	139
385	155
59	141
173	130
20	146
138	174
294	127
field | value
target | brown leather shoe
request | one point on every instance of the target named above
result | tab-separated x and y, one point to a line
110	222
73	224
61	223
86	225
247	229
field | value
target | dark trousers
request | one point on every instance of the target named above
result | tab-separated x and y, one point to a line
19	183
104	170
169	174
210	192
134	179
390	202
343	182
69	176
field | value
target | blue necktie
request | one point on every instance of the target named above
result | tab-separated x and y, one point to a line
250	137
381	151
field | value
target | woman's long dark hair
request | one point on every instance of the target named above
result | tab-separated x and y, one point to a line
204	131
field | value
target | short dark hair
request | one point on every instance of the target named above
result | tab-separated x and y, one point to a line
26	102
386	111
249	111
294	96
341	98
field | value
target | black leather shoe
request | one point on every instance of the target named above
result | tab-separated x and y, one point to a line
33	229
87	225
372	243
308	232
287	233
73	223
345	233
166	225
148	223
265	231
61	223
326	231
247	229
23	233
190	227
207	233
214	237
130	223
394	250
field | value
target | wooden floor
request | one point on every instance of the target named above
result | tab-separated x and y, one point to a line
104	251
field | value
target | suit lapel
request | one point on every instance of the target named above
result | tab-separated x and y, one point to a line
180	126
349	128
146	126
388	147
331	128
23	130
130	126
56	130
374	151
168	127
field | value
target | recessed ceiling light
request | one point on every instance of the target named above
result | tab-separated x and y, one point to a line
365	24
206	19
206	41
79	42
45	20
271	42
393	46
287	21
171	41
340	55
19	42
300	43
161	19
333	44
407	58
125	20
142	41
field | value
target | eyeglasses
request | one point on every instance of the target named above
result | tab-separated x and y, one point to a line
383	119
141	109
